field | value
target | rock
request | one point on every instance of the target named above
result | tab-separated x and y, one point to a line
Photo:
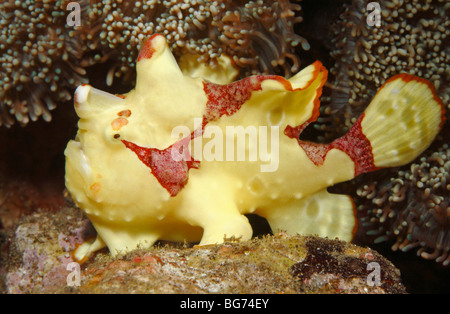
38	260
39	250
333	266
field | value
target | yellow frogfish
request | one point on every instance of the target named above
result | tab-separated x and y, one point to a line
187	153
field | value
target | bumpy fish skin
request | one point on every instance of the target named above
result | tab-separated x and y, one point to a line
139	179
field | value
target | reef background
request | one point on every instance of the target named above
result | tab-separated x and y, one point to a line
32	160
319	28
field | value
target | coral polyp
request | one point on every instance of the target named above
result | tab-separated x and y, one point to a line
43	58
258	35
412	209
412	38
406	206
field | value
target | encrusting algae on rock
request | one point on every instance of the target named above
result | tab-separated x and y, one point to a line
156	164
38	261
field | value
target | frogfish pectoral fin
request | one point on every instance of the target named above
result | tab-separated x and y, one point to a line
85	249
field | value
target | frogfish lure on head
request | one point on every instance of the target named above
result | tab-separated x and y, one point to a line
138	181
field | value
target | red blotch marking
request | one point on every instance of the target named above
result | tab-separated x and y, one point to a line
355	144
358	147
228	99
171	174
147	49
222	100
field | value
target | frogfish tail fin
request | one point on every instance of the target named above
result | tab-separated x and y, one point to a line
402	120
